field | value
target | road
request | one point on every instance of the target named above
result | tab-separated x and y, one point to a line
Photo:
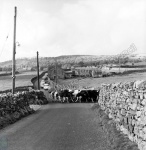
56	127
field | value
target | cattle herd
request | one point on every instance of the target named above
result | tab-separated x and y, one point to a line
75	96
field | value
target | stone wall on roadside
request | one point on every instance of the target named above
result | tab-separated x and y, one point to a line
13	107
125	103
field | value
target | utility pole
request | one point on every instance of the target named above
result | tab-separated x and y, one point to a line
14	52
38	70
119	64
56	71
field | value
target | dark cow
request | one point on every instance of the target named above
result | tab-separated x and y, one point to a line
66	95
82	96
93	95
88	96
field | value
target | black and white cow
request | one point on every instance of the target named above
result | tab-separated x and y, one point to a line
65	95
70	96
88	96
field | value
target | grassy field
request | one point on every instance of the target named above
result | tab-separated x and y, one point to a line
96	82
22	79
117	70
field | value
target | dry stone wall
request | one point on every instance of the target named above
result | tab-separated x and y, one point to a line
125	103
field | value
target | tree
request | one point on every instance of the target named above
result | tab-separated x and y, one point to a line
124	60
81	64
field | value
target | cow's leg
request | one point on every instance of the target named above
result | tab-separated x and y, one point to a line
63	99
86	100
67	99
92	99
80	100
58	98
76	99
54	98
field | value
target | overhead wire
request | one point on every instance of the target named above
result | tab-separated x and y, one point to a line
7	36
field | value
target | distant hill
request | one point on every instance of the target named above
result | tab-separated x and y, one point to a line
22	62
49	60
65	59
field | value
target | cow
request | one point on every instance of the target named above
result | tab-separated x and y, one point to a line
70	96
87	96
93	95
82	96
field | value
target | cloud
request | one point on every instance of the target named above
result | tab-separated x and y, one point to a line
101	27
83	27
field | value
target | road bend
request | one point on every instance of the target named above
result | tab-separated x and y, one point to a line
56	127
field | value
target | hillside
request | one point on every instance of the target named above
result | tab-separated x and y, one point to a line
70	59
31	62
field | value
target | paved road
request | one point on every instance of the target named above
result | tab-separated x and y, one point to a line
56	127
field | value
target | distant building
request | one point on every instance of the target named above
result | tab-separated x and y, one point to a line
61	73
53	71
69	74
88	71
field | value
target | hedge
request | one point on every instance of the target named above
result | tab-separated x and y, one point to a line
14	107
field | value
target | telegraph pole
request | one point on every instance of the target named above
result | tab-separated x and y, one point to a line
38	70
56	71
119	64
14	52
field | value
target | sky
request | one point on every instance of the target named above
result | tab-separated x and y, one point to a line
72	27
